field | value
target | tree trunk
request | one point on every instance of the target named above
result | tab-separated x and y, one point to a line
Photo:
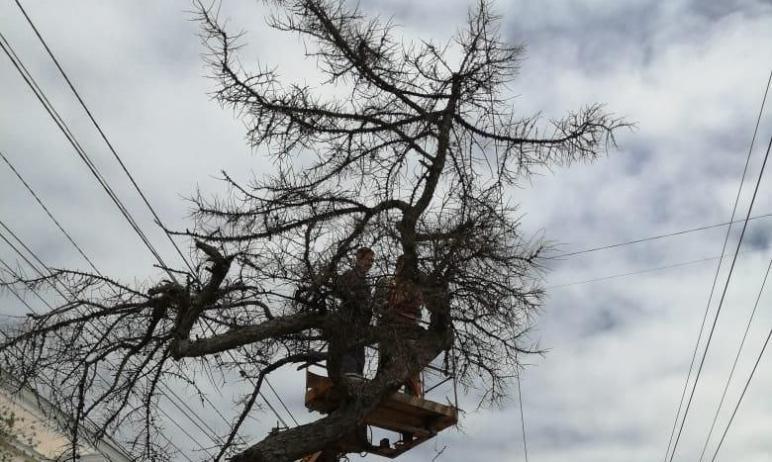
323	434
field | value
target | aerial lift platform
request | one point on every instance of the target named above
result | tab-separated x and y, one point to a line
416	418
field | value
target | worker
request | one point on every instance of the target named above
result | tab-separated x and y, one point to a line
353	289
402	311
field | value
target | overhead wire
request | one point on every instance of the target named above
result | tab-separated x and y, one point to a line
522	415
8	50
557	256
14	273
16	294
501	203
42	274
721	300
61	124
551	257
716	274
11	271
736	361
50	215
48	212
750	319
742	396
651	238
634	273
128	174
103	135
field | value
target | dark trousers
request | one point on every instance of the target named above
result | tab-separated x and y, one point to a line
353	361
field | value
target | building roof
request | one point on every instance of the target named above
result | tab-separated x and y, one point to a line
31	429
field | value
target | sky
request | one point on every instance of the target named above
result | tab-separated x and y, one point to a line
690	74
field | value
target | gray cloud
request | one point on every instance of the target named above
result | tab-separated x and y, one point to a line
690	73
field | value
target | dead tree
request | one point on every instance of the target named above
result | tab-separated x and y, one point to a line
417	159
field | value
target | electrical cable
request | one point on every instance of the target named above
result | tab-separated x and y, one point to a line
45	302
103	135
48	212
212	434
742	395
721	300
19	65
67	299
652	238
281	401
6	47
13	291
136	186
736	360
522	415
634	273
12	272
715	277
169	390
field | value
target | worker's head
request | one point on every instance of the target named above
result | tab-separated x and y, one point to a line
364	259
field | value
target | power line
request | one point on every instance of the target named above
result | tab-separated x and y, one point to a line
48	212
45	302
522	415
281	401
16	294
12	272
40	202
129	175
212	434
742	395
634	273
652	238
67	299
721	300
7	48
19	65
736	360
103	135
715	276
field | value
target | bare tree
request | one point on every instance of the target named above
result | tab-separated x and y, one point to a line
415	160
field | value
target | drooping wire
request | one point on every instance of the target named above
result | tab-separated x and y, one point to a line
742	395
721	300
522	415
50	215
19	65
281	401
715	280
7	48
12	272
48	212
129	175
736	360
651	238
42	274
634	273
104	136
15	293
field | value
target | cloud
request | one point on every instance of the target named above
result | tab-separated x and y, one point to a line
689	73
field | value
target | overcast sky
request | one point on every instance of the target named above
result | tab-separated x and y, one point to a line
690	74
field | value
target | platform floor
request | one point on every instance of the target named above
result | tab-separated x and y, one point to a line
401	413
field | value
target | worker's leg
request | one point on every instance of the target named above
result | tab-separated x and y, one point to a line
385	356
359	356
348	363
